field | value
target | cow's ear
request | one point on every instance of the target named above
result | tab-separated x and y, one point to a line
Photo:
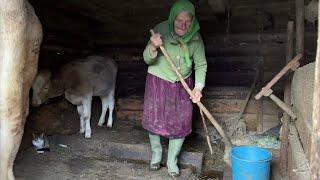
33	135
42	134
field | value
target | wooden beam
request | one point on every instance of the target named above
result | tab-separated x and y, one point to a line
293	64
287	97
269	121
301	170
61	49
260	109
225	92
315	143
300	27
135	103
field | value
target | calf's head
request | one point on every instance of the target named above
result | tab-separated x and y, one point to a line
40	87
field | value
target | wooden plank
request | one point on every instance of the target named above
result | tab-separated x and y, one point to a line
252	37
235	44
133	104
315	145
305	132
250	119
234	78
274	40
302	170
299	7
287	100
63	49
128	115
244	49
291	164
124	91
213	105
235	59
259	109
226	92
233	106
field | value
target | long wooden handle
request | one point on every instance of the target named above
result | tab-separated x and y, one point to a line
225	137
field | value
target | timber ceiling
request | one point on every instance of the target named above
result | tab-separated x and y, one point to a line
123	22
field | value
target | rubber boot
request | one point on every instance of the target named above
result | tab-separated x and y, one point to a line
156	149
173	153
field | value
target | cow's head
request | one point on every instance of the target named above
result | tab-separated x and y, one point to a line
40	87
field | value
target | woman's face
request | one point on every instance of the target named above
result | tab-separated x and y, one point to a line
182	23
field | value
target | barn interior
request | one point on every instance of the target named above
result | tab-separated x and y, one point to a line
246	44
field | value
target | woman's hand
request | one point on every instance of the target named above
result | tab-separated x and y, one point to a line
156	41
197	95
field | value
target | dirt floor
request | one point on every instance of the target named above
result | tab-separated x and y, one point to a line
86	159
80	158
62	164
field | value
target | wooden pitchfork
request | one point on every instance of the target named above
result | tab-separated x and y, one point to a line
226	138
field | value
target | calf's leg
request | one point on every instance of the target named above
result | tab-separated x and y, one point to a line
87	115
111	107
105	104
80	112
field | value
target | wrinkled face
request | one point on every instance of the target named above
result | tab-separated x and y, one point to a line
182	23
40	88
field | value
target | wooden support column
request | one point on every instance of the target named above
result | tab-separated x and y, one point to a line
260	101
315	143
287	100
300	28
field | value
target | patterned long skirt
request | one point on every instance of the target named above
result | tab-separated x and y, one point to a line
167	108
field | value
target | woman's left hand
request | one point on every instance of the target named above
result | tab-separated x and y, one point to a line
197	95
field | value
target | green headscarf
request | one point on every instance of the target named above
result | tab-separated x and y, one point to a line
177	7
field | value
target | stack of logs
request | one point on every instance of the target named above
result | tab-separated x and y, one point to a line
223	102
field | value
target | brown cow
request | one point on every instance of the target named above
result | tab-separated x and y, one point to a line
20	39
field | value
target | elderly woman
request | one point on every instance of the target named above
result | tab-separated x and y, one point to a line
167	106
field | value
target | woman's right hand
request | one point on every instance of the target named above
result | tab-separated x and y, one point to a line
156	41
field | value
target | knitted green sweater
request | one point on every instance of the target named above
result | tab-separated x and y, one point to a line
159	67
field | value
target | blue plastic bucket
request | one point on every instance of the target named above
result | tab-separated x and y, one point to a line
250	163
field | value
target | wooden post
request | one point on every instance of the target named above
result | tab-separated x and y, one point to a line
300	28
260	101
287	100
315	142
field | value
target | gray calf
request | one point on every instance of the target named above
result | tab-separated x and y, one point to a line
80	80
